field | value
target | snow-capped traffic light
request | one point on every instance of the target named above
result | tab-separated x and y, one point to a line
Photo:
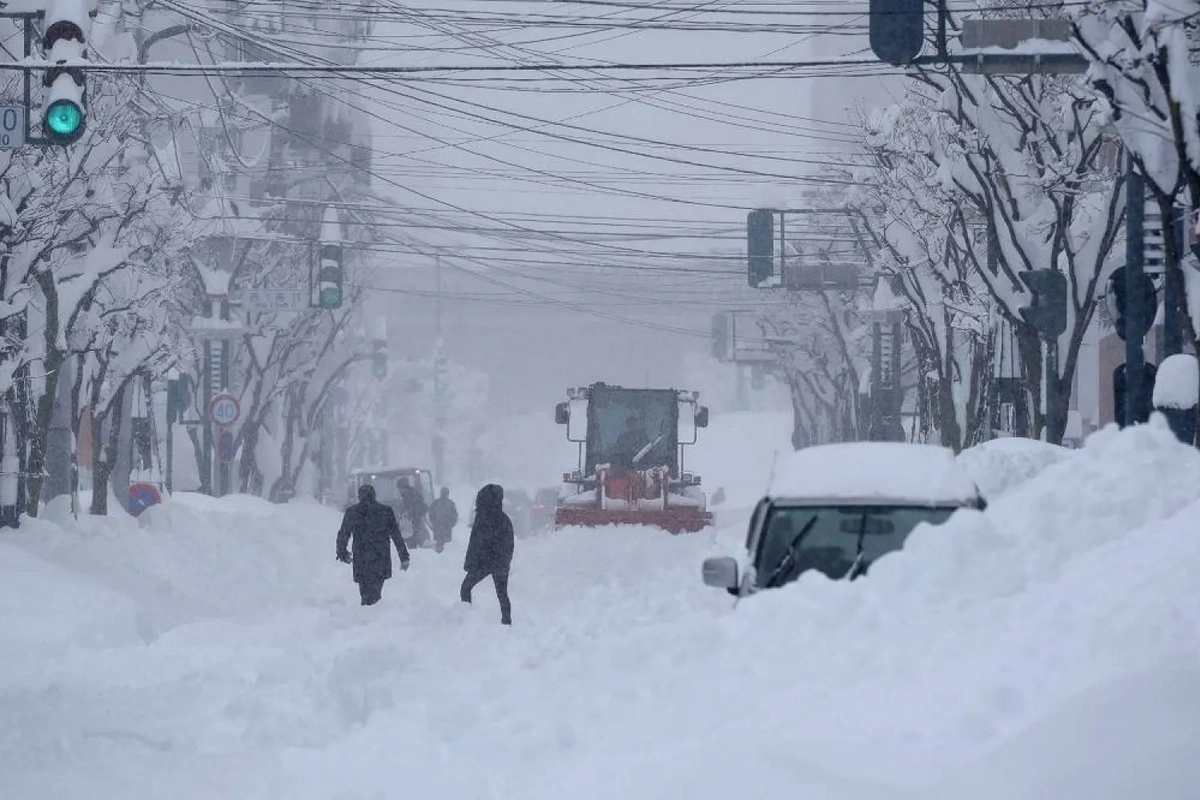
1047	309
329	277
64	114
760	245
897	30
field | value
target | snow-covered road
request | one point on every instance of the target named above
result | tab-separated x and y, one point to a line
1046	648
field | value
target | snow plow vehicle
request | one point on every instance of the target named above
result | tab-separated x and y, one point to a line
631	469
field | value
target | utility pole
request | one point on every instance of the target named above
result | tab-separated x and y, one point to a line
440	390
1135	361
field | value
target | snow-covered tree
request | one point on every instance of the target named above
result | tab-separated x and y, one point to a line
1022	157
1143	62
78	226
822	346
921	231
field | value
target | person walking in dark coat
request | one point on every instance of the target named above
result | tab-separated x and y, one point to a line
490	550
412	506
443	516
373	528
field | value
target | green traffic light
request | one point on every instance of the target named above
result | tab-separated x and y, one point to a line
64	119
331	297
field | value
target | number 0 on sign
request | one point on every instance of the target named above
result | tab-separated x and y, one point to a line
224	409
12	125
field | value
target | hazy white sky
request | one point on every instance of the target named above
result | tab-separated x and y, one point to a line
592	225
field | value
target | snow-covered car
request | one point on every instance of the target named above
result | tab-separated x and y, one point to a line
838	508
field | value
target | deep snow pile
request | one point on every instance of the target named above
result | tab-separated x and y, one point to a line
1048	647
1000	464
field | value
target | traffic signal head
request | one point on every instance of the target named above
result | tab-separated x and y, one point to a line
760	245
1047	309
897	30
330	277
1132	314
65	113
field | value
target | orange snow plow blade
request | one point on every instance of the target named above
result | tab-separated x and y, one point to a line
673	520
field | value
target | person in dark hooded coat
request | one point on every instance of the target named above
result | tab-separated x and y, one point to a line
373	528
490	549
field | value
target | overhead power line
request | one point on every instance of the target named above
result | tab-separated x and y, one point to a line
363	70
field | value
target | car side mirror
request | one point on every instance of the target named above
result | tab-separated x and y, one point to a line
562	414
702	417
721	572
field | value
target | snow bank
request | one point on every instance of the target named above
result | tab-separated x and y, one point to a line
1047	647
46	612
194	556
1000	464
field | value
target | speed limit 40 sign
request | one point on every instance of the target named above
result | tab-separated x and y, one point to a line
12	125
224	409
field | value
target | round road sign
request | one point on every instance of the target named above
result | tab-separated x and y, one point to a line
224	409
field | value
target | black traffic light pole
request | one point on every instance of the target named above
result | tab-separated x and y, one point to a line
1135	362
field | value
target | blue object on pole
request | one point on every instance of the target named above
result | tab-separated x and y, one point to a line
225	446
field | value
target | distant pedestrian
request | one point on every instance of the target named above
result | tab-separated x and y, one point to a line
490	549
372	528
413	509
443	516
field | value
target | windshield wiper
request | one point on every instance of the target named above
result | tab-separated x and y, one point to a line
789	558
637	459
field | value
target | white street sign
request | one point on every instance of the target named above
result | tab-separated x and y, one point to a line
275	299
12	126
224	409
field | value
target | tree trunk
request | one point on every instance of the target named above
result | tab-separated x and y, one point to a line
249	475
285	484
103	467
35	468
1029	346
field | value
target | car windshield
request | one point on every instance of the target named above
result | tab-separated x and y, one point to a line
386	484
832	538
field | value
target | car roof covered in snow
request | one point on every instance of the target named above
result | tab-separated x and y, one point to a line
385	470
874	472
